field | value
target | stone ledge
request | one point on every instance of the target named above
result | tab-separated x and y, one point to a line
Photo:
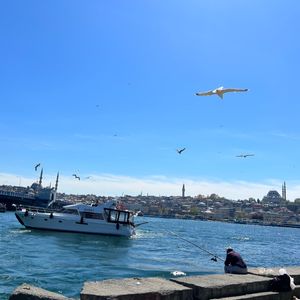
29	292
271	272
255	296
224	285
134	289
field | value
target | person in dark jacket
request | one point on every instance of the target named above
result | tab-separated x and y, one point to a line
234	263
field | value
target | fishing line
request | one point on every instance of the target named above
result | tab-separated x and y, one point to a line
214	256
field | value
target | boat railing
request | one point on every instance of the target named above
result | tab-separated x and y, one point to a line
16	194
37	209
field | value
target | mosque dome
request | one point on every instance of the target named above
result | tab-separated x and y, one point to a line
273	195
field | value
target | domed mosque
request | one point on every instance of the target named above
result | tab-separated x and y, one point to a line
274	198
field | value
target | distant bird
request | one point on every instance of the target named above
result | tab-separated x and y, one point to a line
179	151
220	91
36	166
77	177
244	155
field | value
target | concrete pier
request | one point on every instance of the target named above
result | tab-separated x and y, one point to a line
255	285
29	292
134	289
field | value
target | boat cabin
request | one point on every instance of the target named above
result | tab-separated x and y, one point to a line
118	216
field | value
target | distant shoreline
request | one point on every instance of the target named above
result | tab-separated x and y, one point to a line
225	221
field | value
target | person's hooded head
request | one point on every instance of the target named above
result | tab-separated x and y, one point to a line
229	249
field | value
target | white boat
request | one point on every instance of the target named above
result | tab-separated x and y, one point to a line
83	218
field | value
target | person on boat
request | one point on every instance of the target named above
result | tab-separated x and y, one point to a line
234	263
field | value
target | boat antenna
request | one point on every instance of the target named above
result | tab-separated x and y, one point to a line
41	177
214	256
56	183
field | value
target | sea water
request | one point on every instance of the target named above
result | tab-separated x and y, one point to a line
62	262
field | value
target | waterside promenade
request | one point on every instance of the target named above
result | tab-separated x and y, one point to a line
255	285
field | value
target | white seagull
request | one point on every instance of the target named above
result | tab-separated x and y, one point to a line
220	91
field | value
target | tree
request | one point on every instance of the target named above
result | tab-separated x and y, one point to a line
194	211
214	197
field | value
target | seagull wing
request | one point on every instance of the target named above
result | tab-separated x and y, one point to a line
208	93
234	90
181	150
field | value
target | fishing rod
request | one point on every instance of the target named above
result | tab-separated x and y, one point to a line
214	258
139	224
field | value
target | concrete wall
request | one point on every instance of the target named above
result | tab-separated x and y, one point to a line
254	285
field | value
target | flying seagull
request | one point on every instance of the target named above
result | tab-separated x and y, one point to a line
220	91
244	155
179	151
77	177
36	166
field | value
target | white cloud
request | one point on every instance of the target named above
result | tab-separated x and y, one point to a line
115	185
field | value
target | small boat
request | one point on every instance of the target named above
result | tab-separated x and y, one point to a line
2	207
103	218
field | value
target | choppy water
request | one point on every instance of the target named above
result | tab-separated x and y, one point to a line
62	262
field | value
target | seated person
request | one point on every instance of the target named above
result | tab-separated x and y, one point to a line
234	263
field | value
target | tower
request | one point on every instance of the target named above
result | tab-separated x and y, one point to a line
41	178
183	191
56	183
284	191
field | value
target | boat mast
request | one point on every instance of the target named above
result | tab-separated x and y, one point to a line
56	183
41	178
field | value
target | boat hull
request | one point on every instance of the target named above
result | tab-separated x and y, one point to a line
11	201
71	223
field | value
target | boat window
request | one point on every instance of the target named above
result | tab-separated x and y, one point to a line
116	216
90	215
123	216
113	215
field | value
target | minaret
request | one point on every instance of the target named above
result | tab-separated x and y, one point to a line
183	191
56	183
41	178
284	191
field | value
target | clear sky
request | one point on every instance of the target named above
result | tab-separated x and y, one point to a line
106	90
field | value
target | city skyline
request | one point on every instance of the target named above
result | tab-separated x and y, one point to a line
107	91
155	186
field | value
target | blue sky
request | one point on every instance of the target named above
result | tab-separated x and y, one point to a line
106	89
